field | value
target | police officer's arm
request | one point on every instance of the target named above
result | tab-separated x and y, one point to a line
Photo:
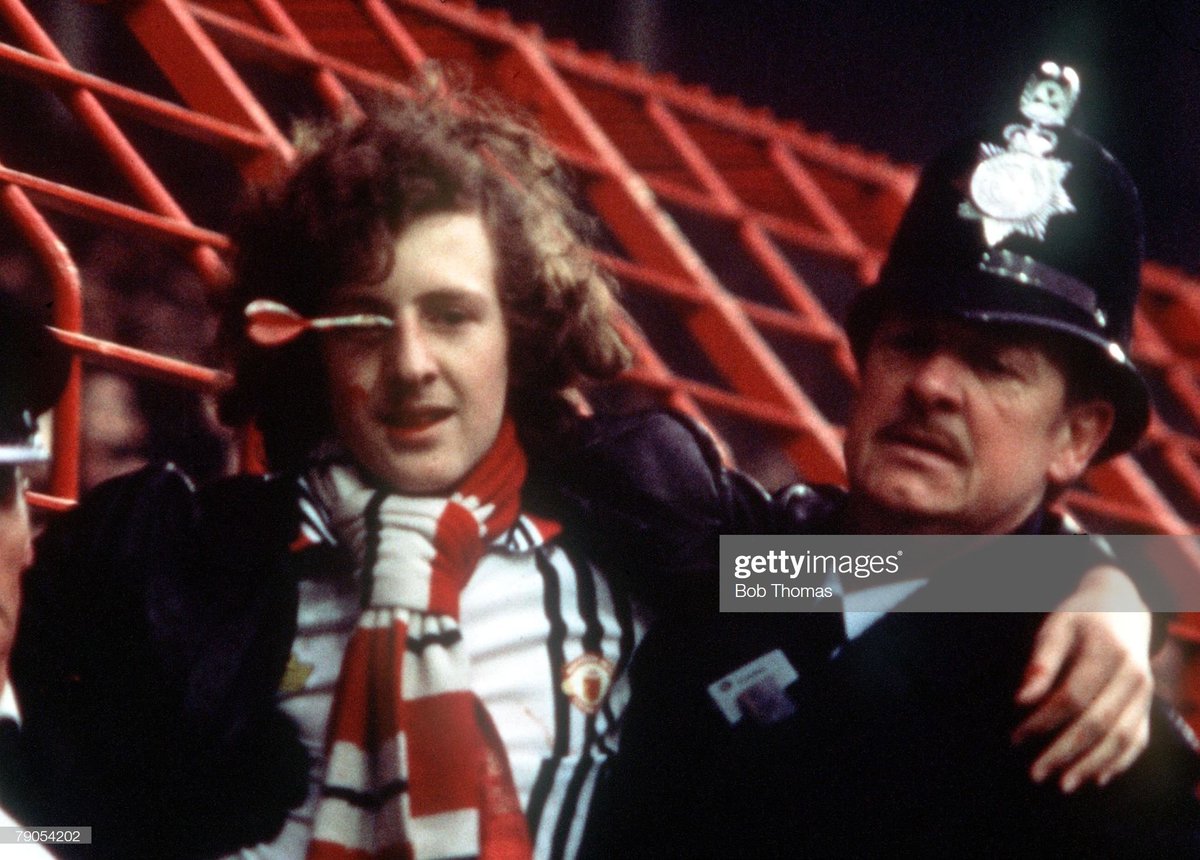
648	496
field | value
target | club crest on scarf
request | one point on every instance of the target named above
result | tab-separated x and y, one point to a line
1018	188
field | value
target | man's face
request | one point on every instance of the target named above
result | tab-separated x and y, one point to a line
16	554
960	427
420	404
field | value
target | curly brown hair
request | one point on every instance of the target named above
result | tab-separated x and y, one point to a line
332	219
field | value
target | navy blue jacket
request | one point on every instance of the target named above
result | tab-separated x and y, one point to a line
899	739
155	627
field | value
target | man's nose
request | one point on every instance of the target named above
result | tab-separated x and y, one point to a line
412	355
937	380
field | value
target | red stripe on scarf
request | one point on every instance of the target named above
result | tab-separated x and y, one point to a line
458	543
351	699
499	476
441	729
459	549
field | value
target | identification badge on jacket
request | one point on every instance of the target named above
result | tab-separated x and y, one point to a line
757	690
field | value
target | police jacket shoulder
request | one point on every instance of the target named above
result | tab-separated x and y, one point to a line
663	460
649	497
154	628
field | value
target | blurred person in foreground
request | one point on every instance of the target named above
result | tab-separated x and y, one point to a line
994	369
33	371
396	643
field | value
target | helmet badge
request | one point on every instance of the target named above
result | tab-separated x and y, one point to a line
1018	188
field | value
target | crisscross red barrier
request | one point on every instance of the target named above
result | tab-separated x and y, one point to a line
739	239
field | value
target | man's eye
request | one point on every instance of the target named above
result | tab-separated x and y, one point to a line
910	343
450	316
994	365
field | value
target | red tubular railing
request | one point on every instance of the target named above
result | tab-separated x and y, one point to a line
666	168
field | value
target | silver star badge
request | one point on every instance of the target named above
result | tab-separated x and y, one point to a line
1018	188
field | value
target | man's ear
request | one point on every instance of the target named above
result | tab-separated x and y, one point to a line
1085	427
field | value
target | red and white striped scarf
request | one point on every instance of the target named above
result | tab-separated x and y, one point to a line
415	767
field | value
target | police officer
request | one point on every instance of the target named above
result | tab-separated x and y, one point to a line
33	371
995	369
994	354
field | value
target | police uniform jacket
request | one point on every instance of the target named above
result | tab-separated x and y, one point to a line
895	743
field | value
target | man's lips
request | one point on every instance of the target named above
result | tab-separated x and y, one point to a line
927	439
404	423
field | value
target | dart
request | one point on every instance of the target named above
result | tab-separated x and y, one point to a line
272	323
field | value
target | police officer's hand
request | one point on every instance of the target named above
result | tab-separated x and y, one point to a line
1088	683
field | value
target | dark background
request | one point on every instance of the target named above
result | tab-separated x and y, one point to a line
904	78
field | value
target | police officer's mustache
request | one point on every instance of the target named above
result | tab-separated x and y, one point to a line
926	434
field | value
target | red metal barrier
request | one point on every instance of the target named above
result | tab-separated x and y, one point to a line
738	238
